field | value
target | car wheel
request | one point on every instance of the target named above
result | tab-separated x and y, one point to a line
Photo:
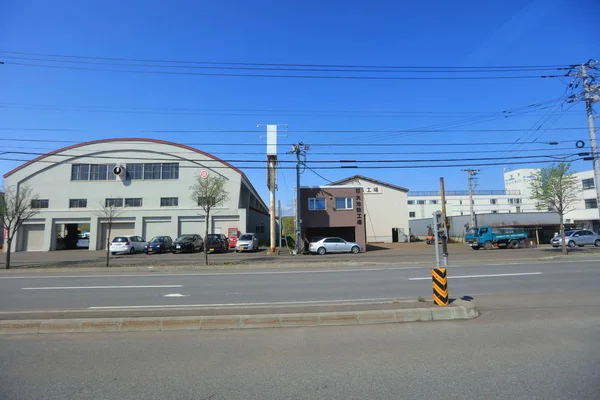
571	244
355	250
597	243
488	245
321	250
514	244
114	253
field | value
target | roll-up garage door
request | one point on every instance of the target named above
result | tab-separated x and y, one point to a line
33	237
191	225
118	229
156	228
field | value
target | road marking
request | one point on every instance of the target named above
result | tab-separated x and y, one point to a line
158	274
279	303
478	276
175	295
100	287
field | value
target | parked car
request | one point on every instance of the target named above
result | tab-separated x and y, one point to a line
159	244
334	245
187	243
127	244
247	242
216	242
579	238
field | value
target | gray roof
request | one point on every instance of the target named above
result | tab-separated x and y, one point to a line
365	178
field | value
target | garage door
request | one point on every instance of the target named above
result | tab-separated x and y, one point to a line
33	237
118	229
195	225
156	228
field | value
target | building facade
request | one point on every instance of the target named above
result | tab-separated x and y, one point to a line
336	211
385	208
150	187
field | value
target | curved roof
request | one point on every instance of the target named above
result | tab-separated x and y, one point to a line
182	146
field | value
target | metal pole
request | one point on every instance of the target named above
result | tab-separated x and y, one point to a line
590	120
436	238
298	208
444	220
280	221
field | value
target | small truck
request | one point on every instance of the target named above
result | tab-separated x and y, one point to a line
488	238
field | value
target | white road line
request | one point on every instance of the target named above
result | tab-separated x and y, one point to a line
280	303
100	287
158	274
478	276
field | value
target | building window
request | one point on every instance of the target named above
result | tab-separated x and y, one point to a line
433	201
588	183
80	172
134	171
169	201
493	201
316	203
518	209
77	203
259	229
133	202
411	202
420	201
98	172
152	171
591	203
411	214
40	203
343	203
514	201
170	171
114	202
460	202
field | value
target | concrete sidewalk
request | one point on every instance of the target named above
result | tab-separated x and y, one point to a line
243	318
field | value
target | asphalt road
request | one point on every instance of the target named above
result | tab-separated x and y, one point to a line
115	291
536	346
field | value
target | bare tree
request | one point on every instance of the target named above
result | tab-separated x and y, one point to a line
15	209
209	192
555	188
108	212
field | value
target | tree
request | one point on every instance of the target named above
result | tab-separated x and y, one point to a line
209	192
108	212
15	209
555	188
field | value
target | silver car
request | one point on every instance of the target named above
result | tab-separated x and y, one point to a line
247	242
579	238
334	245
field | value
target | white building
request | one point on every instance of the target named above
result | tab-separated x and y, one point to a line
385	208
71	185
423	204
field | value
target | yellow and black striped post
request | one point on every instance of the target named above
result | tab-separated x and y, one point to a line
440	286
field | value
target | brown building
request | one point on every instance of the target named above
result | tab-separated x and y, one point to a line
336	211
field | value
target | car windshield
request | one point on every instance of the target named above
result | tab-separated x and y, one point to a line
157	239
246	237
186	237
121	239
472	231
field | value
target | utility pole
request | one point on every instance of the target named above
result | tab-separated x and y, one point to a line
280	221
299	149
444	224
272	183
471	173
589	100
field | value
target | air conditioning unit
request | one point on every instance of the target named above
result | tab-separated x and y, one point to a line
119	170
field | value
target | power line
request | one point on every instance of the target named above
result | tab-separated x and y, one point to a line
555	66
322	77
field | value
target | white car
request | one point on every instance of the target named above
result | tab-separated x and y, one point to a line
127	244
333	245
247	242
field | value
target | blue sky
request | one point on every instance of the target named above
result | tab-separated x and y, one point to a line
426	33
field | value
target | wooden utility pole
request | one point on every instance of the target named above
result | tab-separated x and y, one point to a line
444	224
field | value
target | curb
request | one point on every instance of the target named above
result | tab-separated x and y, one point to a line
461	310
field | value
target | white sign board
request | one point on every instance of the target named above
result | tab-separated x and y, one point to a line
271	140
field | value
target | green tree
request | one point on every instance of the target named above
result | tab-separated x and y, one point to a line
209	192
555	188
15	209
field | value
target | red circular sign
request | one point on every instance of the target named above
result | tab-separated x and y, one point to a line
204	174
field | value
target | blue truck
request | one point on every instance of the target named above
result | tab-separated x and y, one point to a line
489	237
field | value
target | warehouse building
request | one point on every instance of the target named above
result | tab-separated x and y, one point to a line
149	180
